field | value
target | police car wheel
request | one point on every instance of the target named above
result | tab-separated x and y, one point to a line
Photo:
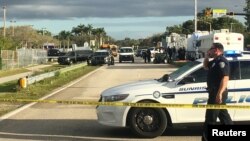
147	122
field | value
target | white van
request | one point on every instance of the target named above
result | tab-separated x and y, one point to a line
126	54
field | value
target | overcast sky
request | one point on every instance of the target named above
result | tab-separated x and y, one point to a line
120	18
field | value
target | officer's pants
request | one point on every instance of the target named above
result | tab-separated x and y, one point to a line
212	114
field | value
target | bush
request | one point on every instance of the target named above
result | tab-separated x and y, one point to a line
0	62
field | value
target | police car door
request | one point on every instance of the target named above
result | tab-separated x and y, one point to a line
242	91
192	90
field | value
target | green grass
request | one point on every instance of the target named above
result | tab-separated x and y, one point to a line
52	68
4	73
48	69
14	71
37	90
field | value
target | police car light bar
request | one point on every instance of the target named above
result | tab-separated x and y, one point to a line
232	53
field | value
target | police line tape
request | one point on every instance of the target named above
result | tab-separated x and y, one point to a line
142	105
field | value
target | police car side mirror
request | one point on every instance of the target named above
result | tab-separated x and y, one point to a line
166	78
186	80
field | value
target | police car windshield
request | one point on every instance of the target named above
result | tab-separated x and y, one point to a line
174	75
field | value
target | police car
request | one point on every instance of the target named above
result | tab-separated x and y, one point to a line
187	85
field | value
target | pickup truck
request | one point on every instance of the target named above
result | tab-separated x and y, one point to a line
74	57
54	53
101	57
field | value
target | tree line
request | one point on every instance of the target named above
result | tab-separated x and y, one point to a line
27	36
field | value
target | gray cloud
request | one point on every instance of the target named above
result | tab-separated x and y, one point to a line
67	9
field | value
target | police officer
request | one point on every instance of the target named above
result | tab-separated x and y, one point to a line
217	80
149	55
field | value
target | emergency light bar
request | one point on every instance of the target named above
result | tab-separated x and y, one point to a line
232	53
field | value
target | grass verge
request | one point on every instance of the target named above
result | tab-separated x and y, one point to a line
4	73
37	90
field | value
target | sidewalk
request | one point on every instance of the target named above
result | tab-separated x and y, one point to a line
21	75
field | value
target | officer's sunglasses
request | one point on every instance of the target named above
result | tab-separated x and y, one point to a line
212	48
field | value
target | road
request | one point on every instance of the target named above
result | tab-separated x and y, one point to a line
79	122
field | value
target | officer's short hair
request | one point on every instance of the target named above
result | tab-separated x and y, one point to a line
218	46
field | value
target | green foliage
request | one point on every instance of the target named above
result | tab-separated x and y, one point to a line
127	42
228	23
0	58
7	43
37	90
204	24
247	17
174	29
188	27
81	34
25	36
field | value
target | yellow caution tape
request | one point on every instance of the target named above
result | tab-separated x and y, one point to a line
142	105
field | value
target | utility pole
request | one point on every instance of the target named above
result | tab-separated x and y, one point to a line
195	15
231	28
43	31
210	26
4	21
12	24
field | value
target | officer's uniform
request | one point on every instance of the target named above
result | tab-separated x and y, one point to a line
218	68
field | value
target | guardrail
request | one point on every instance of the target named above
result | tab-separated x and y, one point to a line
40	77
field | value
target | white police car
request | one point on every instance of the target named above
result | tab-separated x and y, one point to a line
187	85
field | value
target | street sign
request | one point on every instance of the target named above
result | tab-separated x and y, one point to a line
219	12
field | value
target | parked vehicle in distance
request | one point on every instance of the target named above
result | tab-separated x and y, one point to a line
54	53
160	58
138	53
142	52
203	40
113	48
74	57
126	54
101	57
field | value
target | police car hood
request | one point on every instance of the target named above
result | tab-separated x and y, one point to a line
131	87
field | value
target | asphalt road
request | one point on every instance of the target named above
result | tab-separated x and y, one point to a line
79	122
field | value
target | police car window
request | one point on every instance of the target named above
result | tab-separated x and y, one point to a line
234	70
183	69
245	69
199	75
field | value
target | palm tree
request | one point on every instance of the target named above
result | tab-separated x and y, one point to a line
87	30
79	30
65	36
99	33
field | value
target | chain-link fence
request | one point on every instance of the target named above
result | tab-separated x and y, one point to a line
22	57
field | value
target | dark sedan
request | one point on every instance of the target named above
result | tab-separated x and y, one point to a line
74	57
101	57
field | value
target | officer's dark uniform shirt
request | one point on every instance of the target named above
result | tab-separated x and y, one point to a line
218	68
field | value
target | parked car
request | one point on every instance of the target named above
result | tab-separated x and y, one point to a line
74	57
54	53
138	53
160	58
101	57
142	52
126	54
